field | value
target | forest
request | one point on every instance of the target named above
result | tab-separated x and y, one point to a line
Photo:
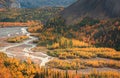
99	33
14	68
24	15
88	44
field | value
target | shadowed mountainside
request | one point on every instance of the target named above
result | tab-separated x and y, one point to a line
92	8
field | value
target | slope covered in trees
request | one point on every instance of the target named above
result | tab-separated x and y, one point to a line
24	15
101	33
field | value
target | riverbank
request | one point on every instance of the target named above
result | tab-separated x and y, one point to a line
14	24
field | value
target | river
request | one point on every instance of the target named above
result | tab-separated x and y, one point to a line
22	50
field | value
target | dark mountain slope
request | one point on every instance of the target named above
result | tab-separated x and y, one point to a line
92	8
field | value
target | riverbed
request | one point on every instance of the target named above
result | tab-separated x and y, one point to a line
21	50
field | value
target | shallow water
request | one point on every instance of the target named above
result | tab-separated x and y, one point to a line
10	31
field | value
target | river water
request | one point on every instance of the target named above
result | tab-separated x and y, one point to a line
22	50
7	31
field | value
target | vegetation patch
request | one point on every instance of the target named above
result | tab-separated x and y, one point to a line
14	68
17	39
85	53
77	64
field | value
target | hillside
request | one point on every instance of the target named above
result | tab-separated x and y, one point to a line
92	8
24	15
100	33
9	4
97	20
5	3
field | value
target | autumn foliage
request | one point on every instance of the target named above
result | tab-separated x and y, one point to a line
13	24
17	39
14	68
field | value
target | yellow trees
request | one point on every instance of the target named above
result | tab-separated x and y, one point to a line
63	42
112	55
35	26
88	53
35	29
104	74
77	43
17	39
53	46
64	64
4	72
83	64
72	54
67	43
87	57
14	68
14	24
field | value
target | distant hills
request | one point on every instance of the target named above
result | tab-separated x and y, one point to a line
35	3
9	4
5	3
43	3
92	8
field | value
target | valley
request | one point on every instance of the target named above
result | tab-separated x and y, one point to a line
77	41
81	60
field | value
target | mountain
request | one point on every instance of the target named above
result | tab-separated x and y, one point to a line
4	3
90	20
9	4
35	3
42	3
92	8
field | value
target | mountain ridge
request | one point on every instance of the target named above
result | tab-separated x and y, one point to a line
100	9
42	3
35	3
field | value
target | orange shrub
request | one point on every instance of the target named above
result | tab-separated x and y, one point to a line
17	39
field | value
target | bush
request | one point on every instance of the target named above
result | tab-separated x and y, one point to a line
17	39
